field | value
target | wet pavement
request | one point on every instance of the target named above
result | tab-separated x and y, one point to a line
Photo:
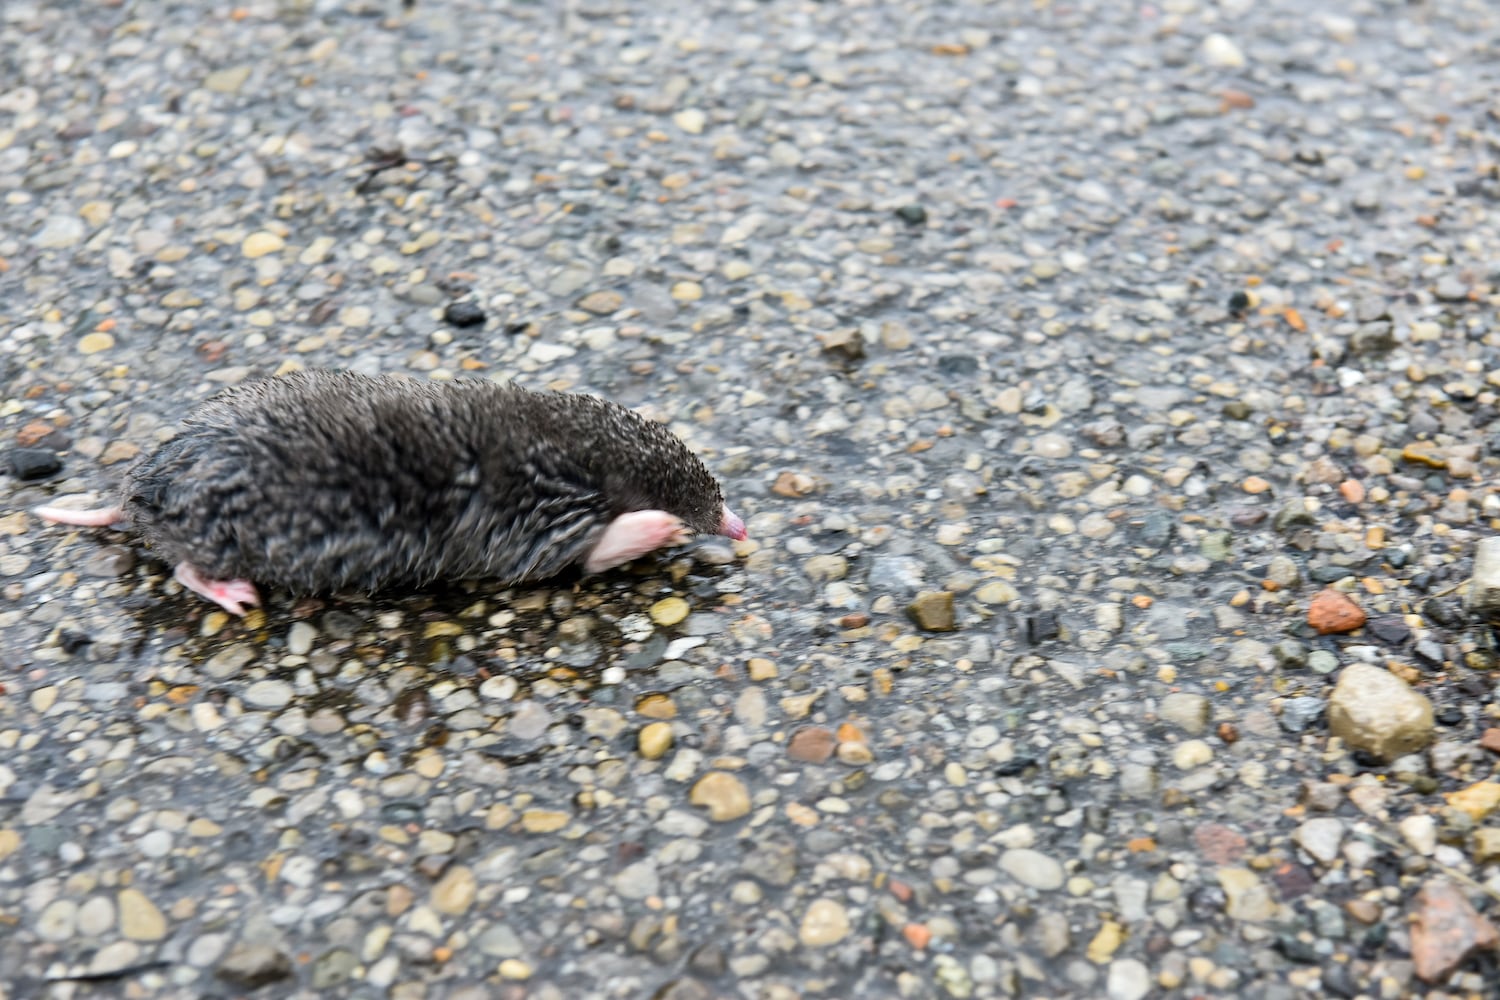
1108	390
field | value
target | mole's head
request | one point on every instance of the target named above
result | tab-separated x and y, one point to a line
647	467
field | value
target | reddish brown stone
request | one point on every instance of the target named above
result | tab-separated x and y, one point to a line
212	351
1219	844
32	433
1491	739
812	744
1237	100
1445	931
1332	611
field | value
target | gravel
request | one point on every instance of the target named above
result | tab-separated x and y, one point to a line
1108	390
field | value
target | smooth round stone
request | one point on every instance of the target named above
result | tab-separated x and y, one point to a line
500	941
499	688
299	639
638	881
455	891
140	920
655	740
1192	753
722	794
515	969
155	844
1032	868
58	921
1052	446
1188	712
207	949
997	592
690	120
94	343
669	611
268	694
1220	51
59	233
115	956
826	922
1321	661
96	916
261	244
1128	980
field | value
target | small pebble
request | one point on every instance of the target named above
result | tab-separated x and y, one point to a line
463	313
30	464
722	794
825	922
655	740
261	244
933	611
669	611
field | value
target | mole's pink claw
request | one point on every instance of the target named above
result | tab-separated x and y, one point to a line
234	596
632	535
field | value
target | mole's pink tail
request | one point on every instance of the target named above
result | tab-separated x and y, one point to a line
99	517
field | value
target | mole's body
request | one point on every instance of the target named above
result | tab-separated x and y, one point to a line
326	480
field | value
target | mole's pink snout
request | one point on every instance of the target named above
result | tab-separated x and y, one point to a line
732	526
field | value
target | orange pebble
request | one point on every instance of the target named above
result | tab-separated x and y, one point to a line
917	935
848	732
1332	611
1254	484
1352	490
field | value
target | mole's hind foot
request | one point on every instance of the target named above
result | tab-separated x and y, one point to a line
632	535
234	596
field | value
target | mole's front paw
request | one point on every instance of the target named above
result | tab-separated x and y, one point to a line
632	535
234	596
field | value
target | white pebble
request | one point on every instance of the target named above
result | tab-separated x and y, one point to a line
1220	51
300	638
268	694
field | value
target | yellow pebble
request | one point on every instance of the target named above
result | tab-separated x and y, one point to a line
543	820
761	669
1111	935
656	706
260	244
655	740
514	968
93	343
669	611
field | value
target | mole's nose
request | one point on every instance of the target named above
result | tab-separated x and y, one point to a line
732	526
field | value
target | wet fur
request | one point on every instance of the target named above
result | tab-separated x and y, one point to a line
323	480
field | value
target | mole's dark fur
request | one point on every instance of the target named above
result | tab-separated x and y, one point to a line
329	480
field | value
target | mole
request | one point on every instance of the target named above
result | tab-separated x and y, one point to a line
326	480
